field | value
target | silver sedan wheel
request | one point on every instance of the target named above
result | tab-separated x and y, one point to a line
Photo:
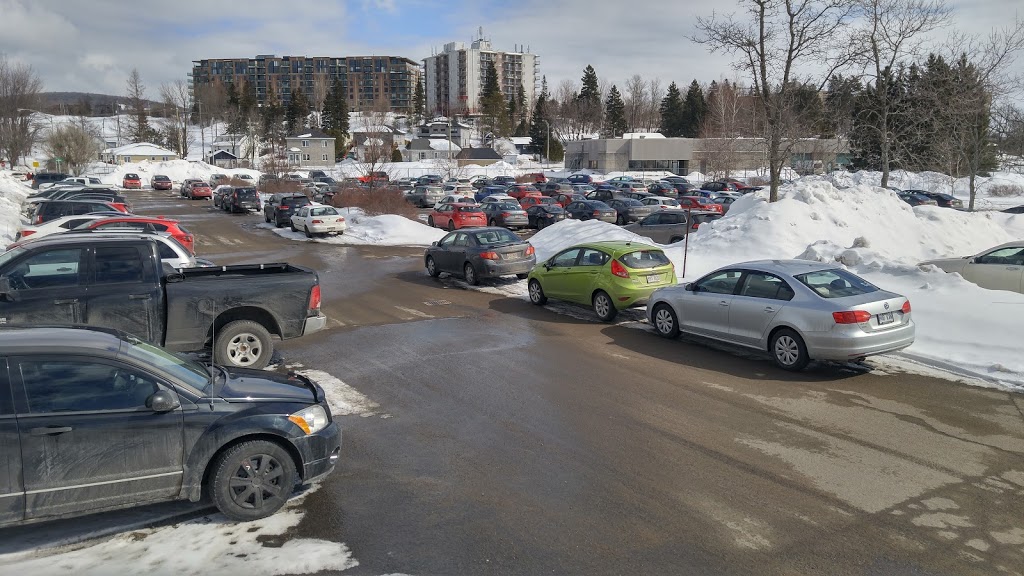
664	321
787	351
244	349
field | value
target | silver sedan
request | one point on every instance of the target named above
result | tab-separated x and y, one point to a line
796	310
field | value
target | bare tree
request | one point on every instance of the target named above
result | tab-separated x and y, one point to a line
177	99
727	120
321	87
211	104
377	141
77	143
1008	131
636	101
775	37
655	93
19	97
893	34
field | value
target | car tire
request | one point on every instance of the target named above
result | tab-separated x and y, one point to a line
620	220
522	276
603	306
537	293
292	226
469	273
252	480
451	225
243	344
306	230
278	224
493	222
788	350
432	267
267	218
665	322
430	221
675	239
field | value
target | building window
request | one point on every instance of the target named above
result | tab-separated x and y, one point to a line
305	156
325	157
305	143
323	143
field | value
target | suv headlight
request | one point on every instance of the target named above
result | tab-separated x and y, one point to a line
311	419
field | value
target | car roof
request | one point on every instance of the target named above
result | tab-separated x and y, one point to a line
617	246
790	267
57	339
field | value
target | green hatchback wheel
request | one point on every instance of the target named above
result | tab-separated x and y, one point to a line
604	307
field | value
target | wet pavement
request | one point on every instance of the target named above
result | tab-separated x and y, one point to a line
513	439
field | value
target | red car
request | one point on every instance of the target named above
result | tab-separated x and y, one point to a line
528	201
132	181
520	191
454	216
563	200
698	203
160	182
199	190
157	223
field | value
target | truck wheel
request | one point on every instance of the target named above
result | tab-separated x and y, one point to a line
243	344
252	480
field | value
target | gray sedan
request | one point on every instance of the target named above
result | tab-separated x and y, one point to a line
796	310
480	253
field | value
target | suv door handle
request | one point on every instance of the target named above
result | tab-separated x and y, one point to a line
66	301
49	430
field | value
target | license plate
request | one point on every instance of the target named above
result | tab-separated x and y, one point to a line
512	255
885	318
654	278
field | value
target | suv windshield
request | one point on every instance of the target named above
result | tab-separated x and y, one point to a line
835	283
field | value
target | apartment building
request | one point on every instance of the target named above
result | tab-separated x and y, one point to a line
454	78
366	79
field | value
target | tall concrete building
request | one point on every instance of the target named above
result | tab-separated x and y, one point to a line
366	79
454	78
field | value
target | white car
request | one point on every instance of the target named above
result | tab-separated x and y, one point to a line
998	268
318	219
74	181
499	198
660	202
62	224
462	189
456	198
242	177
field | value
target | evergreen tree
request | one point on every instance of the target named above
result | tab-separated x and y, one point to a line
335	117
272	116
524	108
614	114
588	102
538	131
396	155
297	112
492	103
590	93
672	112
694	109
419	102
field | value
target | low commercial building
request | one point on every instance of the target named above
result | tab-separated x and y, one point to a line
654	152
137	152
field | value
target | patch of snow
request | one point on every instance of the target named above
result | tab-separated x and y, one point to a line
13	192
343	399
176	170
363	230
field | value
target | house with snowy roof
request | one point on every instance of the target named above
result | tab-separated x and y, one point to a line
137	152
430	149
310	147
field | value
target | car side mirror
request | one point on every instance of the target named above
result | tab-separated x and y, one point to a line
7	293
434	243
162	401
689	287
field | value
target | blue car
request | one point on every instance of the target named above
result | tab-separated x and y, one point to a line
486	191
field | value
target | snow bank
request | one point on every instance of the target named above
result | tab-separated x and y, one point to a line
936	182
383	230
176	170
876	235
13	192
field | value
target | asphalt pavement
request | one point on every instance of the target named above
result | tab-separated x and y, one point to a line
513	439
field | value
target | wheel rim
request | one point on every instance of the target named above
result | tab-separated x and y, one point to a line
535	293
663	321
244	349
470	274
786	350
430	266
601	305
257	482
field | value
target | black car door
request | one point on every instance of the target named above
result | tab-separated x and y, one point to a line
88	441
125	291
44	287
12	493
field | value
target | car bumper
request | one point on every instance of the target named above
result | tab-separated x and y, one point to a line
244	207
319	452
493	269
516	222
327	228
610	218
857	343
635	291
202	194
314	324
162	186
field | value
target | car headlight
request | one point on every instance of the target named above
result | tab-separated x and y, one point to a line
311	419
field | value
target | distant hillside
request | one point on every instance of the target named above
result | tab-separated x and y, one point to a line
83	103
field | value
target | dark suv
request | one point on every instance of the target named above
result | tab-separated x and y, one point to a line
53	209
280	207
95	419
241	199
48	178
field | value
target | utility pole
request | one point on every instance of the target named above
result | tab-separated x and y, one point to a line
202	134
547	155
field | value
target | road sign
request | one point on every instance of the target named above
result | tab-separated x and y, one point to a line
35	164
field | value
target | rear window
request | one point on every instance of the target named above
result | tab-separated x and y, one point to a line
132	176
492	237
835	283
295	201
631	202
644	259
598	205
469	209
161	178
246	192
509	206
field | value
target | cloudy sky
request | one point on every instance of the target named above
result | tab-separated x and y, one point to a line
91	45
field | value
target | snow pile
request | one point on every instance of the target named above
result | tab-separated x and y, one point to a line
176	170
383	230
877	236
936	182
206	545
13	192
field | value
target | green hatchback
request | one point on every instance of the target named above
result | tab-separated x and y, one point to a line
609	276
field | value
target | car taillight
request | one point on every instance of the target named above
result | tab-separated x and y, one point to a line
318	221
489	255
530	250
851	317
314	298
597	212
906	307
506	214
619	270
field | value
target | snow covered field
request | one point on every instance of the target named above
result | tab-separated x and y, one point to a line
363	230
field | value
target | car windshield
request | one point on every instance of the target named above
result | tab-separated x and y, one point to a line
10	255
644	259
494	237
835	283
133	176
188	371
508	206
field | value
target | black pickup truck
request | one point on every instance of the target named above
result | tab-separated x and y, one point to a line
118	281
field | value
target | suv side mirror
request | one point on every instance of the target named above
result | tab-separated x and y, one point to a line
162	401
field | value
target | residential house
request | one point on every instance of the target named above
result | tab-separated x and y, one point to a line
478	156
223	159
310	147
137	152
430	149
457	132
